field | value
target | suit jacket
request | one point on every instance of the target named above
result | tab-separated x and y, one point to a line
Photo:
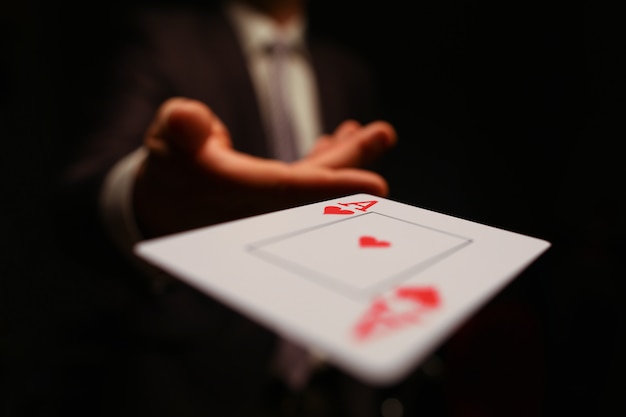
178	352
196	55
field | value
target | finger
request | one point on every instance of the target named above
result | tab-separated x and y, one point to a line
302	181
319	183
361	147
321	145
351	181
346	129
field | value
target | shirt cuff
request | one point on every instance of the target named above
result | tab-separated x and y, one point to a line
118	216
116	201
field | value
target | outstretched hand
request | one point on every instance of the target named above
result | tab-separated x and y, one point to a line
193	177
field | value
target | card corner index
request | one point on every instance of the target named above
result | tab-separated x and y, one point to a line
359	196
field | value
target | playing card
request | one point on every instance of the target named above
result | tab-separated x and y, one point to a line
372	284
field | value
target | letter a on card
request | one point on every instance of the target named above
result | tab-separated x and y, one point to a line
360	205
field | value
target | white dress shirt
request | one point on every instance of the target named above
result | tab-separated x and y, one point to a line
257	32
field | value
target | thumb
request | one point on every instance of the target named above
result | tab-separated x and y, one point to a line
185	125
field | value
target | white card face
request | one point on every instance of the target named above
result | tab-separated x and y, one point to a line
371	284
332	253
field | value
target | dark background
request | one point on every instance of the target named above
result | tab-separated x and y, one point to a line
509	113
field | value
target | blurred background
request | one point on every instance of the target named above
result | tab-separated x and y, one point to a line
508	113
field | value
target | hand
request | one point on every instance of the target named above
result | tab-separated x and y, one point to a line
193	177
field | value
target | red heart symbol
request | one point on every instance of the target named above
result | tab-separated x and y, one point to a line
336	210
372	242
426	296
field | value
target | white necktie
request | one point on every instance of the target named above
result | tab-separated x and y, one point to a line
283	137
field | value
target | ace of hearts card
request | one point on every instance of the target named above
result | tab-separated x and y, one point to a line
370	284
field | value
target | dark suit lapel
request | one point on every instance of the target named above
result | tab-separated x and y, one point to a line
330	110
345	87
231	93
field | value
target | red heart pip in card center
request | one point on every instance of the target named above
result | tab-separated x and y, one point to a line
372	242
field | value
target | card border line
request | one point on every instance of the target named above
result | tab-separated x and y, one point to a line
333	283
